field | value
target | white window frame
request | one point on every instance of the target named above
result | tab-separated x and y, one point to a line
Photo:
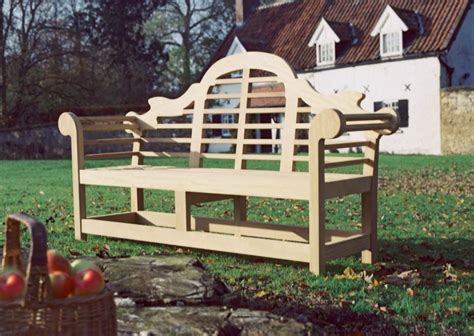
329	53
389	53
227	119
393	104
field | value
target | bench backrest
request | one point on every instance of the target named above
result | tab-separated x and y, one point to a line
255	94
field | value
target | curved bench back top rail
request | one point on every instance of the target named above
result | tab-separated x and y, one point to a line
241	89
243	104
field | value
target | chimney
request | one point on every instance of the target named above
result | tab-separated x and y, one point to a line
243	8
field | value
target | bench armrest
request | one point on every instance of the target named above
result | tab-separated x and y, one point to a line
330	123
71	125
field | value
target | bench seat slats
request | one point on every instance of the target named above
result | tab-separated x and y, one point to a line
222	181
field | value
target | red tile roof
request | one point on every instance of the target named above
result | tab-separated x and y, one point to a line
286	29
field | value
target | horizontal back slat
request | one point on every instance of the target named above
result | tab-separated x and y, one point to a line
251	106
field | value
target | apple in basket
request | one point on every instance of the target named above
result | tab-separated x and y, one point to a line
62	284
57	263
81	264
12	285
88	281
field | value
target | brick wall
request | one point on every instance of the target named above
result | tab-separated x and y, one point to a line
457	120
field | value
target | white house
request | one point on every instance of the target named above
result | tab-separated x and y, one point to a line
399	53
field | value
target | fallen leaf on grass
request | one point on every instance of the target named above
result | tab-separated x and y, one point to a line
382	309
454	310
449	274
411	292
348	274
408	278
345	303
261	294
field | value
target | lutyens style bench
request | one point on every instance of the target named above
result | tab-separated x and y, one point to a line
247	107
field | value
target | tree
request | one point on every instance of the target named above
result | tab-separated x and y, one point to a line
133	59
191	30
6	22
62	54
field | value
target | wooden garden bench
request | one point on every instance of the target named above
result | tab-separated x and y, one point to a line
237	86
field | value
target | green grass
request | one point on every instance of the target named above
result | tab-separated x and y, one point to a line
425	223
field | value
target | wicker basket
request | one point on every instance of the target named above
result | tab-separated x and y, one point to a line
37	313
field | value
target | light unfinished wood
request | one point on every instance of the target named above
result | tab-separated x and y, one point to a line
254	229
109	127
111	141
221	81
163	154
255	183
70	125
107	119
137	200
115	155
274	94
267	248
333	115
345	144
239	163
183	211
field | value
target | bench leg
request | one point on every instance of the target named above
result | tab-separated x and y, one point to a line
240	209
369	226
79	200
183	211
317	221
136	199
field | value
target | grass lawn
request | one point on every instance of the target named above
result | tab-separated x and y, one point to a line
425	224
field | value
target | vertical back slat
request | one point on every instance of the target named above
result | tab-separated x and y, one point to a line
200	104
239	151
288	133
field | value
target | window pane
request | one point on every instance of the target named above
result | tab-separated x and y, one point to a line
326	53
391	43
401	106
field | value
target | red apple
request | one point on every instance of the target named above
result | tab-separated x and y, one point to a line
62	284
88	281
56	262
81	264
12	285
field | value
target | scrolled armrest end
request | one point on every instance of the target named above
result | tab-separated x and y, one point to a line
69	124
394	121
328	124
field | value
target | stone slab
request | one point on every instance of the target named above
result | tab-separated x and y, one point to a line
162	280
204	321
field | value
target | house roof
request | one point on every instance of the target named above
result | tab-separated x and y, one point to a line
286	29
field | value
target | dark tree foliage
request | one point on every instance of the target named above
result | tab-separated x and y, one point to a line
101	56
117	30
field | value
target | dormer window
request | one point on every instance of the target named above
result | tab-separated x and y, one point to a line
391	43
325	39
326	53
390	28
236	47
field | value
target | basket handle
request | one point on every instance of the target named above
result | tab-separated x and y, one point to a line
38	287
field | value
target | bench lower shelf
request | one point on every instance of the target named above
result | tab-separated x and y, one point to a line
284	242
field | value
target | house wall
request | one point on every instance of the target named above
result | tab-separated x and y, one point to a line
388	81
461	54
457	120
